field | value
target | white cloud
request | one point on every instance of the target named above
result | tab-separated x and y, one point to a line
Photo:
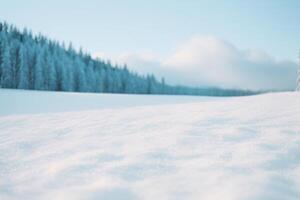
100	55
209	61
145	62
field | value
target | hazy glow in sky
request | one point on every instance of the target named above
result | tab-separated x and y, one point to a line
115	28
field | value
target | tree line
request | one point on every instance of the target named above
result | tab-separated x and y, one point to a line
35	62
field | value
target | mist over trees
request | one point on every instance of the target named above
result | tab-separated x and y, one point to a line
34	62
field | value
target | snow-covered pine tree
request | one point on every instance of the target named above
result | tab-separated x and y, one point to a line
23	82
125	79
15	61
79	76
90	77
6	67
49	72
67	74
1	50
38	69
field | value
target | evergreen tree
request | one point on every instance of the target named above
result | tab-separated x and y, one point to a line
49	72
14	59
38	70
6	68
2	39
66	76
79	76
24	71
90	77
163	86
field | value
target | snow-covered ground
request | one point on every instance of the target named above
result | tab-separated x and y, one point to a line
93	146
24	102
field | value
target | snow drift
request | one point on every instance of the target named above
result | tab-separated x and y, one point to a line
237	148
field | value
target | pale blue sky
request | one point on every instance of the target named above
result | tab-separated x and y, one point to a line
160	25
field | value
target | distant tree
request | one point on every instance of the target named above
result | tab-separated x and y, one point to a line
38	70
151	85
6	68
79	76
101	79
163	85
14	59
23	82
67	75
49	72
2	39
90	77
125	76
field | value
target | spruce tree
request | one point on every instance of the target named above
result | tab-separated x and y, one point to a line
6	68
23	82
38	70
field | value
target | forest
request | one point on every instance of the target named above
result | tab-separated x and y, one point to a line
34	62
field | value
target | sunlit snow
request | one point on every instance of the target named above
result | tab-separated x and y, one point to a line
149	147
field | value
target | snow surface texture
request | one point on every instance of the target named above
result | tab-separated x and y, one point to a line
242	148
23	102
